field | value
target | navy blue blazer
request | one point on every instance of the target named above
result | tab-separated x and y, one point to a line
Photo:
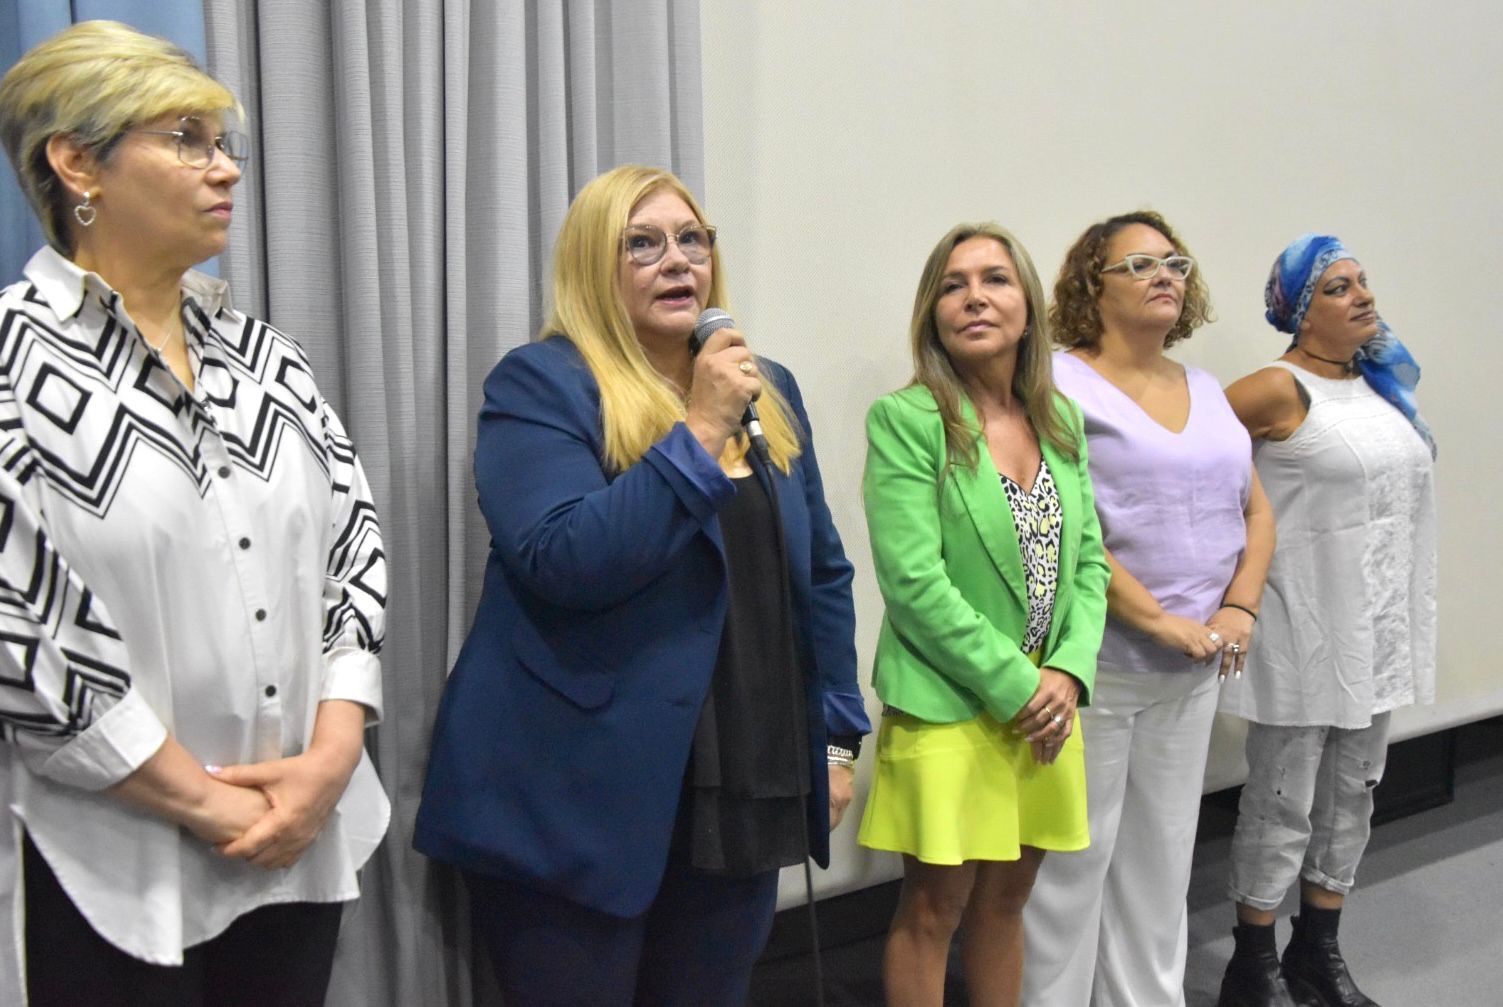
563	735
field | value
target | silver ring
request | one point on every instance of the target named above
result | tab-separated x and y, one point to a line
745	367
1236	648
1058	720
1215	636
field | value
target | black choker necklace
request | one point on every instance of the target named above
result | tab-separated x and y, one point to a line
1347	366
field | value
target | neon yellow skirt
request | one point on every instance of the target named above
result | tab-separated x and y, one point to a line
948	793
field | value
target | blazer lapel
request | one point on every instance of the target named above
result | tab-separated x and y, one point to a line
1067	475
986	502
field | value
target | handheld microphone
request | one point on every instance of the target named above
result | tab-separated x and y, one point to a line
710	321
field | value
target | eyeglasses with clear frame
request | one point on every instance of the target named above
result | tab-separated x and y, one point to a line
196	144
647	244
1142	266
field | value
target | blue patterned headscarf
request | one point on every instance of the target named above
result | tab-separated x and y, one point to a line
1384	362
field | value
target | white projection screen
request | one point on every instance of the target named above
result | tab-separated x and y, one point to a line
842	139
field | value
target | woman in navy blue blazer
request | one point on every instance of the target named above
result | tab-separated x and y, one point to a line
656	707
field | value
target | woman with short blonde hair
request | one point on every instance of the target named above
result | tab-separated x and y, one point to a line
195	577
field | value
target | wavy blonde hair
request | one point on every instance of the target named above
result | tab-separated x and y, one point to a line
94	81
1075	315
637	404
1033	378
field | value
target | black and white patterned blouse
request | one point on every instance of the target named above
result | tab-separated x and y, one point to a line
1037	515
203	563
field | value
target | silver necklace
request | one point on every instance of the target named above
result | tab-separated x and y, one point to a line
157	347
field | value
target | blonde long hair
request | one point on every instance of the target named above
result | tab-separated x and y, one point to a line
1033	378
637	404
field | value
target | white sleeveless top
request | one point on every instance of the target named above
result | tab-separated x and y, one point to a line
1347	627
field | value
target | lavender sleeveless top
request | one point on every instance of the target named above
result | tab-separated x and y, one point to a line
1171	505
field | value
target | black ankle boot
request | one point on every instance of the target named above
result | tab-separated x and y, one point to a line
1313	966
1252	976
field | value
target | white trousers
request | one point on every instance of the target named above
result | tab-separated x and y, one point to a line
1106	926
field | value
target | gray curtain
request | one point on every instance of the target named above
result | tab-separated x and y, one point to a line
414	159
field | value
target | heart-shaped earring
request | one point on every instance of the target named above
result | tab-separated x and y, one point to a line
85	212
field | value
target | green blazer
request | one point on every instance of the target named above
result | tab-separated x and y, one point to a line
951	574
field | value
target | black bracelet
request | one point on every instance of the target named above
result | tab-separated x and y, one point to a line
850	741
1240	608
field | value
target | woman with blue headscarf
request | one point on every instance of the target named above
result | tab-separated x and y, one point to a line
1348	620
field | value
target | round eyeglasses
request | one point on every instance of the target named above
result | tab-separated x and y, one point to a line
647	244
197	143
1143	266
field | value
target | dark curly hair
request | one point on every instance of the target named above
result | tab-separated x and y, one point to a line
1075	318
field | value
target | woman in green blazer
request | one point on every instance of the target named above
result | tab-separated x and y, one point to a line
988	555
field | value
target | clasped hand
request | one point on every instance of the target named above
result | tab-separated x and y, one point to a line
1225	636
296	795
1235	627
1048	718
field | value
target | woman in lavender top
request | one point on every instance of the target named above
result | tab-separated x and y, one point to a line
1189	534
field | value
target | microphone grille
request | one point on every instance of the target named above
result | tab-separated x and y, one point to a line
711	320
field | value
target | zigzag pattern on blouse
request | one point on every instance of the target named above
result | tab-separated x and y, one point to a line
350	548
269	359
53	600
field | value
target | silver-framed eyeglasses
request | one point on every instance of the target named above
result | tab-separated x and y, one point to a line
1142	266
196	142
647	244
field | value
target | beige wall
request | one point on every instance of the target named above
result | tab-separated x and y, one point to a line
844	138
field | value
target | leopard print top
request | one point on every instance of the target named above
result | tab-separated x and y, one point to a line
1037	515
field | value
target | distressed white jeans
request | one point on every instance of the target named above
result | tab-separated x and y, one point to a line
1306	809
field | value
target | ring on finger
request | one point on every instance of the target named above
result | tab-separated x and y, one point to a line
746	367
